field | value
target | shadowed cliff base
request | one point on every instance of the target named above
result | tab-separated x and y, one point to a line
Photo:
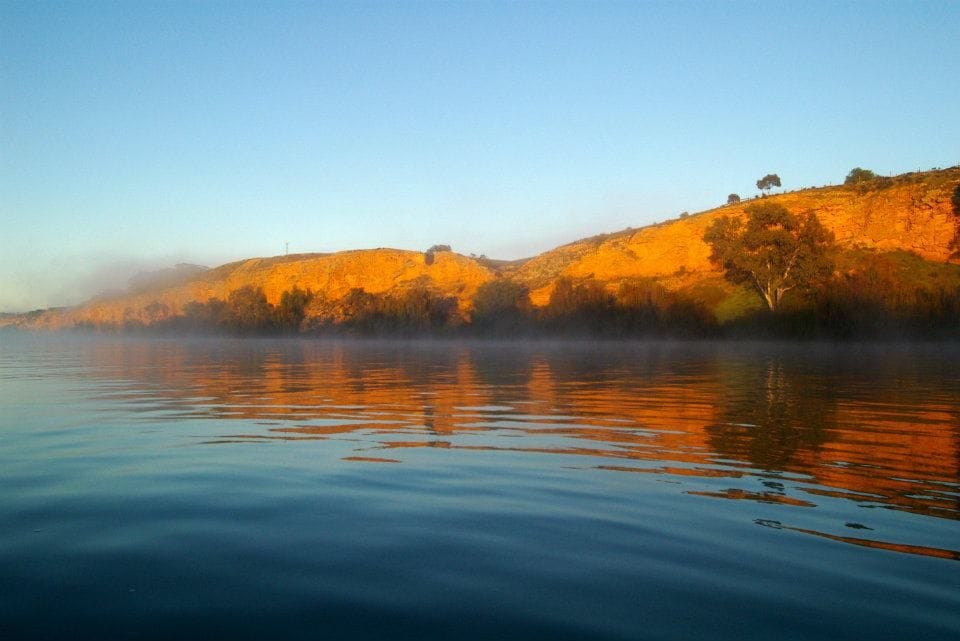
864	305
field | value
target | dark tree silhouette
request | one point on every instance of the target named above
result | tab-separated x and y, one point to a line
428	256
292	308
733	199
776	251
156	312
420	310
248	310
208	316
858	175
586	307
501	306
768	181
360	310
563	299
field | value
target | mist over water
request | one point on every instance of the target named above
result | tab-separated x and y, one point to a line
200	488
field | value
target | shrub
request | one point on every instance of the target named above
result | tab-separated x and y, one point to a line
858	175
428	256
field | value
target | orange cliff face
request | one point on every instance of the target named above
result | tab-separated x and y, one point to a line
334	275
913	214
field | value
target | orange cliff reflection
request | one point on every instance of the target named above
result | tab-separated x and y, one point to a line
675	411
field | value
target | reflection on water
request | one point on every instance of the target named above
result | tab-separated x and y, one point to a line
869	426
852	446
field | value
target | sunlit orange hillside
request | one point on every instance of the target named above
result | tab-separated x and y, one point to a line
334	275
913	214
910	216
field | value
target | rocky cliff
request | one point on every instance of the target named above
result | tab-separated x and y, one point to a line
375	270
912	212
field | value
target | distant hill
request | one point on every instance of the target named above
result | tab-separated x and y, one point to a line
164	278
908	220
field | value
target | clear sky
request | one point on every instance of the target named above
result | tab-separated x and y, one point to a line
136	135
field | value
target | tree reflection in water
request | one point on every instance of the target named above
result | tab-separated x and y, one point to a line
785	424
771	414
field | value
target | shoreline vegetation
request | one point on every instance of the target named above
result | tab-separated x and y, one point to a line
863	306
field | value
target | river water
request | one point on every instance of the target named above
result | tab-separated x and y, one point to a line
246	489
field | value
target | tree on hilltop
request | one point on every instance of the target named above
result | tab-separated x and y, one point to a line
428	256
858	175
768	181
733	199
775	251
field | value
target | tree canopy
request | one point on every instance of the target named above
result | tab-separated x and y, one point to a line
292	308
733	199
428	255
858	175
768	181
501	305
775	251
248	310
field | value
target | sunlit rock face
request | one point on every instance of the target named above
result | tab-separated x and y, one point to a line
333	275
912	212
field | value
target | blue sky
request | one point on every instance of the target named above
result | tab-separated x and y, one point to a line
137	135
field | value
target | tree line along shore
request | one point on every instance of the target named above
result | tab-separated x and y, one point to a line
868	304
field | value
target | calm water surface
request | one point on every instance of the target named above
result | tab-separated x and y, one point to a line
199	489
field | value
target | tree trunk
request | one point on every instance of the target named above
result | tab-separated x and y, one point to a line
771	298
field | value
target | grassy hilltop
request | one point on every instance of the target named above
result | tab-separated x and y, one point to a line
892	233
